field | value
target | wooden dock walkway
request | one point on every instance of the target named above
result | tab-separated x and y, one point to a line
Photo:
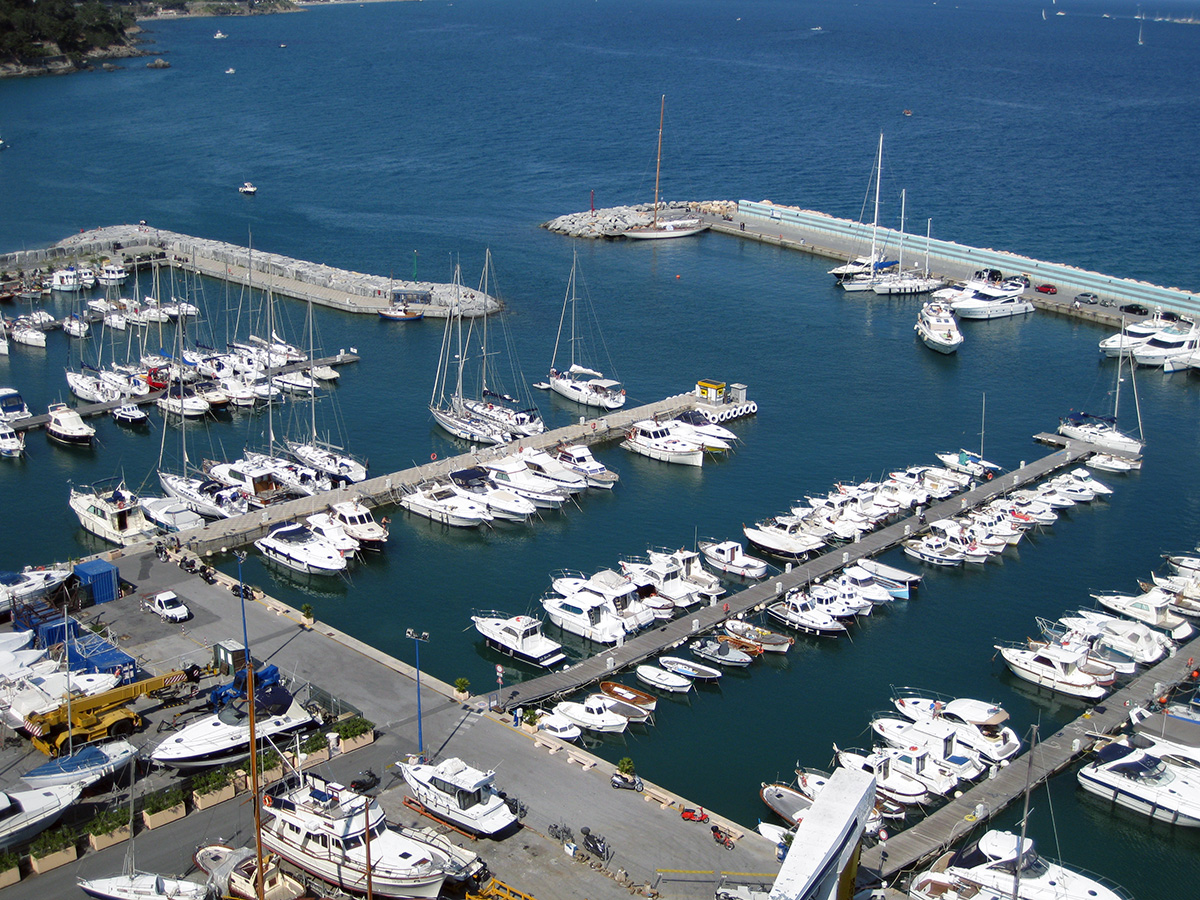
671	634
386	490
950	823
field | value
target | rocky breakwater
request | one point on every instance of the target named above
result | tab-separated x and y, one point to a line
615	221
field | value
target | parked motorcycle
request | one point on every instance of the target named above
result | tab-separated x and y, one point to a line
693	815
626	782
595	844
723	837
365	780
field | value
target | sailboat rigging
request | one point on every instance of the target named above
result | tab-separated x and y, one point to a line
579	383
1102	430
668	228
860	280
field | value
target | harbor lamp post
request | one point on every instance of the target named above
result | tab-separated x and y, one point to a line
419	637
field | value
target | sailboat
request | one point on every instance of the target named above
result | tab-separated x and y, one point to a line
449	409
865	281
134	885
1102	430
579	383
673	228
901	282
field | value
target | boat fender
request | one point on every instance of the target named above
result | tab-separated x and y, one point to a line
753	408
268	800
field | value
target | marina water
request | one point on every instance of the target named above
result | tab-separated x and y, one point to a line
400	135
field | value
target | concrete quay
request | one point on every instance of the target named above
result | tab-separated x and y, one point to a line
354	292
656	853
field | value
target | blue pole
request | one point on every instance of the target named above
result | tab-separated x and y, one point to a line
420	737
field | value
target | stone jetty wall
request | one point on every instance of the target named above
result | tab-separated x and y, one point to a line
615	221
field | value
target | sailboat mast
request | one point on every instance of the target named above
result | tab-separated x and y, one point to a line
311	356
982	425
903	201
928	228
658	165
563	315
875	223
1024	815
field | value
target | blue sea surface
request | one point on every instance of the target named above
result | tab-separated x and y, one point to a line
392	136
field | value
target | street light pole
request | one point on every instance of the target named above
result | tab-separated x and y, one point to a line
418	638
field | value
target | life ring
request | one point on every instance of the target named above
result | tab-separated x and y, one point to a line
912	749
268	800
432	456
593	426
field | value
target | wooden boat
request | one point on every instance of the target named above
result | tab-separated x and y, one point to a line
748	647
785	801
763	638
628	694
401	314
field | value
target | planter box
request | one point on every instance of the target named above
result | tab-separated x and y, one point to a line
531	729
101	841
269	776
315	757
10	876
212	798
462	696
39	864
158	819
355	743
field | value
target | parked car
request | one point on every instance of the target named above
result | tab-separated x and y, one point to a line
1135	309
1169	316
1087	297
1023	279
1046	289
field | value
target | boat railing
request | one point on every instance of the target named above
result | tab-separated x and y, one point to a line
491	614
568	573
912	693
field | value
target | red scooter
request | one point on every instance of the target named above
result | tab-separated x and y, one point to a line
693	815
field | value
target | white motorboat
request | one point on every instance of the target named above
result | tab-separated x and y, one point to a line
707	585
766	640
1151	608
656	441
1134	334
919	765
933	550
65	280
991	301
585	386
937	328
784	536
1058	668
623	594
1141	781
957	538
578	458
320	826
247	188
936	737
12	407
234	872
46	691
170	514
459	794
323	525
515	476
889	782
587	614
799	611
968	462
356	520
1082	477
30	583
112	513
731	557
224	736
897	582
112	274
12	443
1002	865
691	434
24	814
541	463
665	577
130	414
592	715
85	766
67	427
1137	640
841	602
1122	663
558	726
295	546
293	476
443	504
1175	342
474	485
977	725
662	679
520	637
721	653
857	579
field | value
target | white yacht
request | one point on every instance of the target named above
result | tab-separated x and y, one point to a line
321	826
978	726
547	466
935	551
473	484
356	520
112	513
12	407
224	737
785	536
1060	669
45	691
992	301
515	476
938	738
295	546
587	614
323	525
181	400
443	504
67	427
1101	431
25	332
24	814
889	781
1134	335
65	280
259	482
1152	608
329	460
30	583
694	434
1140	781
731	557
578	458
1137	640
295	476
623	594
585	386
460	794
1000	863
1178	341
708	586
12	444
520	637
656	441
665	576
937	328
112	273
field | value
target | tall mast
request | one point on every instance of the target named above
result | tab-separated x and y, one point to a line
875	223
658	165
903	201
928	227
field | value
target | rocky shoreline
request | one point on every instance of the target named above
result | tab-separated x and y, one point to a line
615	221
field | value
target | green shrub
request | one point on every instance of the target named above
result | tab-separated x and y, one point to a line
307	610
531	716
9	861
314	742
212	780
52	841
355	726
625	765
462	685
268	759
107	821
164	799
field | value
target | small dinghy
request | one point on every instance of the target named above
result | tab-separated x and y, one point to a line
662	679
688	669
785	801
719	652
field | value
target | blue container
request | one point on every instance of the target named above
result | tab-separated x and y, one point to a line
98	577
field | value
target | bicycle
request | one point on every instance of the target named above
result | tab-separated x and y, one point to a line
561	833
516	807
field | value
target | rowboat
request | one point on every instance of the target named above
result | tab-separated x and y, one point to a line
629	694
662	679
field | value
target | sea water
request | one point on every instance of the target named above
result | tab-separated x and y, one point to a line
394	137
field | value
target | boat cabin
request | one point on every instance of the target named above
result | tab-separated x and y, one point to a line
467	785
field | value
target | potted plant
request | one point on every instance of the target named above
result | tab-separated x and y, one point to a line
462	689
52	849
315	749
10	869
212	787
529	721
109	827
354	732
162	807
625	766
306	612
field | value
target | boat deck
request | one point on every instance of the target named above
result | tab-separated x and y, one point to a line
758	596
976	806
